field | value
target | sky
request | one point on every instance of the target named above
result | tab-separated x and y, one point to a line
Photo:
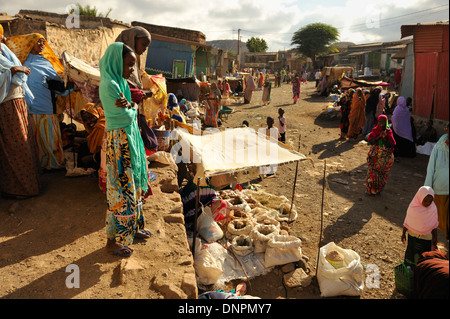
275	21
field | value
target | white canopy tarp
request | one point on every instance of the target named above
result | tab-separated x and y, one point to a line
231	150
79	70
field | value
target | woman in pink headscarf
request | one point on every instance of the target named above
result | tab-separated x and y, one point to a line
421	224
402	129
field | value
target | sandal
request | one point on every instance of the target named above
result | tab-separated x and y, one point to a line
142	234
117	252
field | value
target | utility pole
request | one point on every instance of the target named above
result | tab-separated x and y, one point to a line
238	49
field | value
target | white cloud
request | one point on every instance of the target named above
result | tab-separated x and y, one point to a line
273	20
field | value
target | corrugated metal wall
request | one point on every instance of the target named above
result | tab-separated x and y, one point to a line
161	55
431	71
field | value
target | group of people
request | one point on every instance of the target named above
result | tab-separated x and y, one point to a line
32	134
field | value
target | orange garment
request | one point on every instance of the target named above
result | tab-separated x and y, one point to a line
21	46
95	130
357	116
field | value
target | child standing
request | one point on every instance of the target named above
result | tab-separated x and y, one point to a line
281	125
421	223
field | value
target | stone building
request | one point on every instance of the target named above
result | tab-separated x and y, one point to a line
87	42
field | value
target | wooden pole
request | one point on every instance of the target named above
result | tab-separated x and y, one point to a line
71	122
295	180
197	199
321	213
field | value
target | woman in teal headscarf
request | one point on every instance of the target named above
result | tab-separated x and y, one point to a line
126	163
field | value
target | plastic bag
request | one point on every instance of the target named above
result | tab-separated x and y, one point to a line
207	268
282	249
345	281
207	228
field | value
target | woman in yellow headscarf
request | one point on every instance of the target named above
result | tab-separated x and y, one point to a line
19	165
44	81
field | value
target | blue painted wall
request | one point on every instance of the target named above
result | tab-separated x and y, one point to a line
161	54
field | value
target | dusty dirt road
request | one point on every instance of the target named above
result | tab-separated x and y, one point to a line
371	226
39	237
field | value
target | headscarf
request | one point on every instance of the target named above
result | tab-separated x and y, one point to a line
22	45
112	84
96	132
401	120
356	115
7	61
376	131
420	219
128	37
174	108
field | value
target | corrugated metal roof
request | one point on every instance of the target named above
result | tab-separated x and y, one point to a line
408	29
359	53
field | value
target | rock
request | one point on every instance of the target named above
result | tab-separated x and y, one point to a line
128	267
297	278
288	268
174	218
171	290
189	285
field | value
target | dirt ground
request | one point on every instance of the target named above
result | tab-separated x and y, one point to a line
39	237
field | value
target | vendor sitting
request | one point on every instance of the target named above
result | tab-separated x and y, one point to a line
95	125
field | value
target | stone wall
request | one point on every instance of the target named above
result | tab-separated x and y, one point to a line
88	43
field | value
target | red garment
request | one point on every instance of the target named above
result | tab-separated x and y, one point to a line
376	131
136	95
398	76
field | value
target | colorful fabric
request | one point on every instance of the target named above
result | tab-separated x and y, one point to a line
420	219
174	108
356	116
401	120
379	161
124	216
96	128
266	92
49	141
22	45
377	130
7	60
112	87
19	164
212	108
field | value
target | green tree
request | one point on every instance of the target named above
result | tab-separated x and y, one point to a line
91	11
256	45
315	39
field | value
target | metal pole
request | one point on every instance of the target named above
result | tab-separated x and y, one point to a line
295	180
197	199
321	213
